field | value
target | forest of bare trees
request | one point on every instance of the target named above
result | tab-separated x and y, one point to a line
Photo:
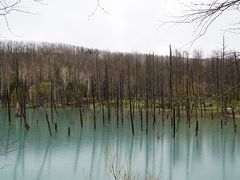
52	76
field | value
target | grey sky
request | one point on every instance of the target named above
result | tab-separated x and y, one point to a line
131	25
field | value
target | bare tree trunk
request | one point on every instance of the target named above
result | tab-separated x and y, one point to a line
93	99
170	81
223	102
196	129
141	117
121	97
153	91
174	122
8	107
162	93
147	94
234	119
51	97
187	94
80	112
46	114
49	127
107	90
130	99
20	100
103	112
117	105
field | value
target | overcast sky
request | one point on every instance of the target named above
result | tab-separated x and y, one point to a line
129	26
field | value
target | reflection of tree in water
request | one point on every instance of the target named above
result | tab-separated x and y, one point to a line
93	153
77	152
20	154
44	160
6	146
121	170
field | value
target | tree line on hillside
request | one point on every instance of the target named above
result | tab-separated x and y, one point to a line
50	76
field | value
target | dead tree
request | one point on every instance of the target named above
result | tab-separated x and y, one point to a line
93	101
130	99
170	80
187	96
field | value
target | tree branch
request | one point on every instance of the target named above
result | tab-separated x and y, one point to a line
204	14
99	6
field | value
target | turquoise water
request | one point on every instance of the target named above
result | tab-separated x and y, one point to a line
87	154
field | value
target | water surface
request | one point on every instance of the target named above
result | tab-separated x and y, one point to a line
94	154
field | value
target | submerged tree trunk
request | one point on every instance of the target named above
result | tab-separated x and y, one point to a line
147	96
8	107
174	122
93	99
49	127
51	98
80	112
121	96
130	99
103	111
117	105
234	119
